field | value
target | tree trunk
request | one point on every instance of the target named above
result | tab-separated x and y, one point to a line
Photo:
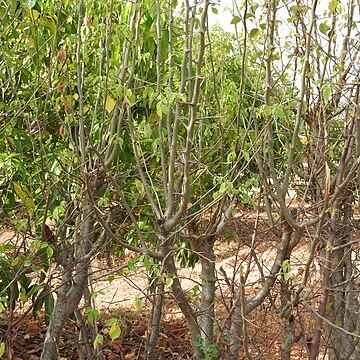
73	283
206	306
181	298
155	319
344	302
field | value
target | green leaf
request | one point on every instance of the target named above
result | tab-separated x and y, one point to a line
138	304
130	97
214	10
324	28
169	282
35	289
49	307
98	340
2	348
231	156
235	20
30	3
140	187
49	252
111	322
332	5
327	93
222	188
246	155
25	197
254	33
279	113
50	24
93	314
286	267
114	331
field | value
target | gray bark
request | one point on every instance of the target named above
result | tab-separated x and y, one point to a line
206	305
73	283
155	319
344	299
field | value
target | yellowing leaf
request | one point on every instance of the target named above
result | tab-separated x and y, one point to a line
34	14
86	108
114	331
2	349
169	282
332	5
76	96
109	104
98	340
303	139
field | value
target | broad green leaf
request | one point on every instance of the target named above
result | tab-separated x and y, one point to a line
30	3
23	295
34	14
279	112
98	340
138	304
231	156
131	98
254	33
214	10
114	331
50	24
20	190
222	188
140	187
235	20
324	28
327	93
246	155
29	204
49	252
93	314
169	282
18	260
2	348
111	322
25	197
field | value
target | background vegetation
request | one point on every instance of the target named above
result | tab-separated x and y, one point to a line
133	129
